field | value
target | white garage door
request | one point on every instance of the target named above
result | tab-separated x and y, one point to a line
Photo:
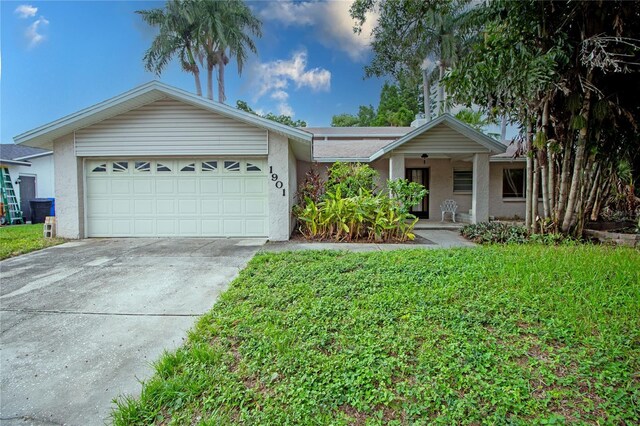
177	197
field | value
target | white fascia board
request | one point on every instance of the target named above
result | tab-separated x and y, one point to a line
70	120
83	113
15	162
29	157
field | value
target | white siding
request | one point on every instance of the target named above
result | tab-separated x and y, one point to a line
442	139
169	127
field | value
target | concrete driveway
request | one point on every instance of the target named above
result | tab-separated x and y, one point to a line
80	323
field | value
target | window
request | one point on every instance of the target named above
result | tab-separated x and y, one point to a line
100	168
142	166
462	181
209	166
120	166
191	167
253	168
232	166
162	168
513	183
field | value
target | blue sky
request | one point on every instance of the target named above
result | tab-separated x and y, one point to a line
59	57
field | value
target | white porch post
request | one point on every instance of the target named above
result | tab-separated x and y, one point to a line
396	166
480	197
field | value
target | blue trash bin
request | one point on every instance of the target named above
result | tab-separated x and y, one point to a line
53	207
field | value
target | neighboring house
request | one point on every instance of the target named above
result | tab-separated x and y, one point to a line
31	172
159	161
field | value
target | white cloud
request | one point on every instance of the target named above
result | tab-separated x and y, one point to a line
275	78
26	11
32	32
330	20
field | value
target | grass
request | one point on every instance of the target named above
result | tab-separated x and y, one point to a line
21	239
492	335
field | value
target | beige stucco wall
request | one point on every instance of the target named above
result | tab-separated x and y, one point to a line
279	204
501	208
69	189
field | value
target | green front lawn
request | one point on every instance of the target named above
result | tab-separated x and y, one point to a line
20	239
491	335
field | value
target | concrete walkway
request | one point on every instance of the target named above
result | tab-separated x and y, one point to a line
80	323
427	239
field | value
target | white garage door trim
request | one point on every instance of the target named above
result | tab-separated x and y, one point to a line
176	197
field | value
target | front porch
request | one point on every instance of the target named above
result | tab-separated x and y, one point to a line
436	224
463	178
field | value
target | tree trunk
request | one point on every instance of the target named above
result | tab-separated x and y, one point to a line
551	182
503	129
581	147
222	97
564	181
210	67
529	181
426	89
534	196
440	89
595	184
196	76
542	161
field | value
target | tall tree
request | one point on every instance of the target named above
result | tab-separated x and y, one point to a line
409	32
202	33
226	29
177	36
563	70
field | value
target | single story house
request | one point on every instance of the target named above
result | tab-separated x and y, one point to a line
160	161
30	171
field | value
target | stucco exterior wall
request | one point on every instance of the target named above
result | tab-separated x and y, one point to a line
42	169
499	207
279	202
68	189
293	187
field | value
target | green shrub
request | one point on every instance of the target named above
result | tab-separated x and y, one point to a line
312	187
366	216
351	208
351	178
407	194
495	232
504	233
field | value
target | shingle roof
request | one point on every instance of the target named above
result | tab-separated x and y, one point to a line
358	131
354	150
10	151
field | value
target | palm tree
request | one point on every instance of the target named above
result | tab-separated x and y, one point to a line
226	28
177	36
202	33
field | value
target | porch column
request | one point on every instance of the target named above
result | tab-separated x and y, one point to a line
396	166
480	197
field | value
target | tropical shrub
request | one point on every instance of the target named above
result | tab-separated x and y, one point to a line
407	194
312	187
366	216
504	233
495	232
351	178
351	209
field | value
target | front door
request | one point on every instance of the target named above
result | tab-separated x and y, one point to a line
420	176
27	193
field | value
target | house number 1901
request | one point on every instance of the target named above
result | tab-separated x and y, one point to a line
279	184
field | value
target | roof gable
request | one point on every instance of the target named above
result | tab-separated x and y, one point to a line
486	142
43	136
